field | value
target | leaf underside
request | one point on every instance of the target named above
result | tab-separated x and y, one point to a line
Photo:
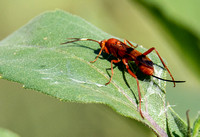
34	57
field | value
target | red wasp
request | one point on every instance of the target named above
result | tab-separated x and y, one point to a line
126	53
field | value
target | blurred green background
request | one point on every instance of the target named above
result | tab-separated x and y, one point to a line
170	26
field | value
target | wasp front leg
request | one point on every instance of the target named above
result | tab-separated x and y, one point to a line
102	44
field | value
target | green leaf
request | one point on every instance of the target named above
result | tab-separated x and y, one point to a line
196	127
7	133
176	125
34	57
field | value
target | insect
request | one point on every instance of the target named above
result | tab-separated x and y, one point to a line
123	52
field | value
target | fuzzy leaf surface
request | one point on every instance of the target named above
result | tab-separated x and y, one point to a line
34	57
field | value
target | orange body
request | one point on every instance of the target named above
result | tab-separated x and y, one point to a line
122	51
126	53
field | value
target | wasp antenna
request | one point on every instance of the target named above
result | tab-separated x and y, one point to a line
74	40
168	80
80	39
